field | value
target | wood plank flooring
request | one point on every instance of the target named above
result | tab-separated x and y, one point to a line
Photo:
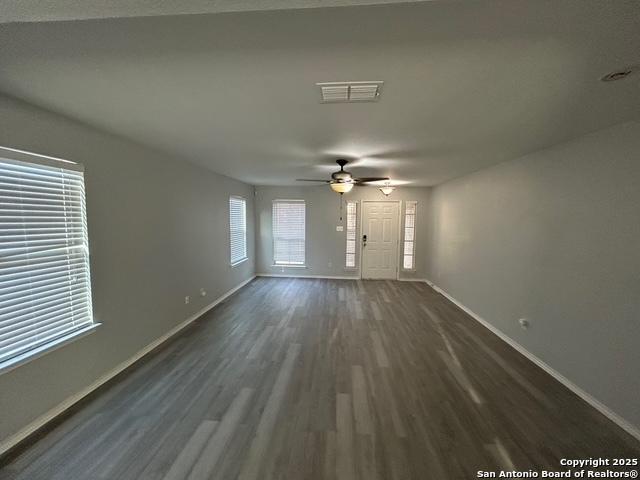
325	379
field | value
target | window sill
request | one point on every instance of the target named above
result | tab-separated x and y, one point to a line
26	357
279	265
235	264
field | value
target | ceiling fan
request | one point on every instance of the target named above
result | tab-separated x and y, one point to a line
342	181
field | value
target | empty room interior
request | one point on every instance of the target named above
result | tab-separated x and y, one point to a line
323	240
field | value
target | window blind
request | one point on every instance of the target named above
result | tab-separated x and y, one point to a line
238	229
350	261
409	236
45	289
289	232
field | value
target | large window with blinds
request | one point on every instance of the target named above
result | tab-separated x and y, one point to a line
350	258
409	250
237	229
45	289
289	232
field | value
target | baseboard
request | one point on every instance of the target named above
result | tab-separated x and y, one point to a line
287	275
602	408
41	421
330	277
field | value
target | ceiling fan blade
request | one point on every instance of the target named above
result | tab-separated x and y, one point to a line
370	179
310	180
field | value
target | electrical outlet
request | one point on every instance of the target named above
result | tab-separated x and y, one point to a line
203	292
187	299
524	323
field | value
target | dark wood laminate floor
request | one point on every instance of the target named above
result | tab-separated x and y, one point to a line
325	379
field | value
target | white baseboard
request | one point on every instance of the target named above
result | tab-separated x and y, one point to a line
41	421
602	408
288	275
331	277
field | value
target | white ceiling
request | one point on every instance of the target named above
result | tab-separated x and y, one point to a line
468	84
57	10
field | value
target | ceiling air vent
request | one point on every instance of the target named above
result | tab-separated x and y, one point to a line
345	92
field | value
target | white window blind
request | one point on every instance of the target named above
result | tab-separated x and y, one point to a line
352	208
409	235
238	229
288	232
45	289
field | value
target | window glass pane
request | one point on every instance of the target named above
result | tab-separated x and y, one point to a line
350	259
45	286
289	232
409	220
409	235
237	229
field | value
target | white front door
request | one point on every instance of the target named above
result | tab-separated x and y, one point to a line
380	239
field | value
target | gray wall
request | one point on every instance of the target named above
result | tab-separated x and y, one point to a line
158	230
554	237
325	248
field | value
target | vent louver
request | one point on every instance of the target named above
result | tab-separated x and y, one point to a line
346	92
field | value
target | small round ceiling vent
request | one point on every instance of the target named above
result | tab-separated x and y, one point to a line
617	75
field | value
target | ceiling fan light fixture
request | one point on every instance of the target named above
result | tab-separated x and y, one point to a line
342	181
341	187
387	189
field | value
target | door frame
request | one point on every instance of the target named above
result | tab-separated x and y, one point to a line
361	256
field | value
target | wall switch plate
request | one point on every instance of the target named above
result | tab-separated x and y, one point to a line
339	228
187	299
